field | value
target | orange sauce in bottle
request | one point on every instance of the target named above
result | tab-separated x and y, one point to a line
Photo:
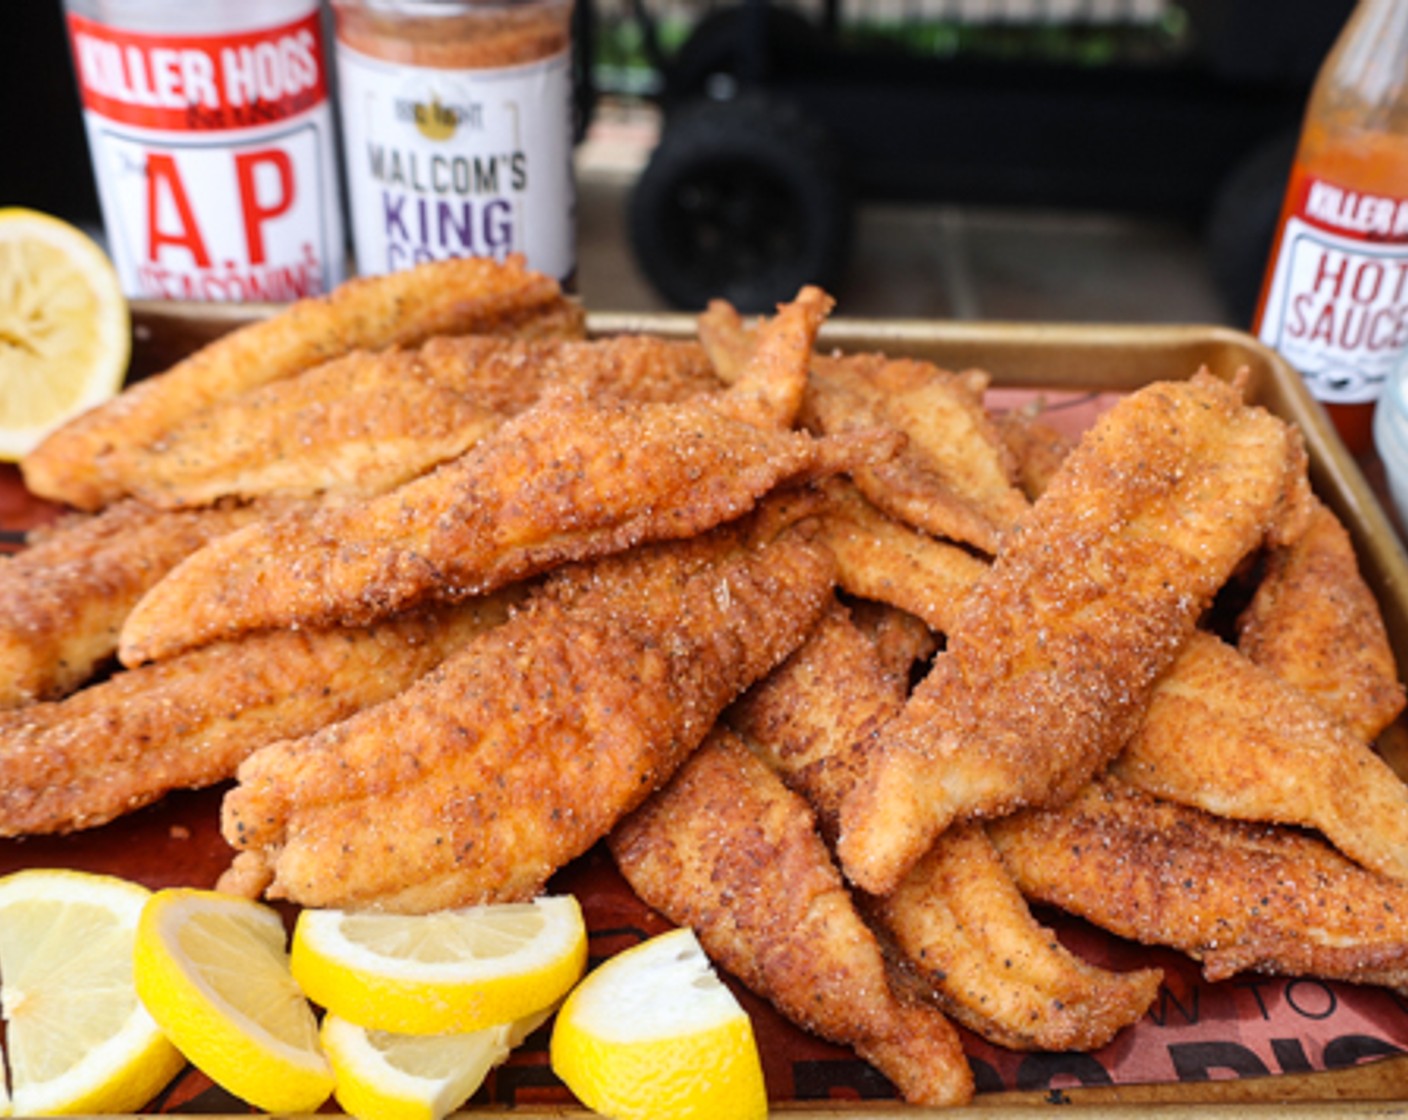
1335	299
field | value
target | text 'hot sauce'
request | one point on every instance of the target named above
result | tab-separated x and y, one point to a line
1335	299
457	131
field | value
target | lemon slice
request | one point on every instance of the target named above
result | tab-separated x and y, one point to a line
385	1076
65	332
78	1038
449	971
213	971
653	1033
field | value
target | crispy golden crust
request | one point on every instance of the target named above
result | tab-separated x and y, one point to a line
1234	896
1035	445
1314	623
768	386
727	850
1051	662
189	722
727	339
83	463
881	558
519	752
804	718
557	484
968	934
957	922
954	478
63	600
566	480
902	641
1228	736
366	422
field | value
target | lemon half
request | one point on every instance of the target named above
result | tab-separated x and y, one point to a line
79	1040
653	1034
65	330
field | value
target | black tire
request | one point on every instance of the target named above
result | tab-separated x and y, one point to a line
1241	225
741	200
707	64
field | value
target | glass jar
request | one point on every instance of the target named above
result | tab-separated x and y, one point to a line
457	131
1335	300
212	139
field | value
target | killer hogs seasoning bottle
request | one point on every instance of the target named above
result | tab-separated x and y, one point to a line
211	134
457	131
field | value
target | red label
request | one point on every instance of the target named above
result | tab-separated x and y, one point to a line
1349	212
199	83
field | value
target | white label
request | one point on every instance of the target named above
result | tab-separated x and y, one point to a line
459	163
1337	311
215	160
226	221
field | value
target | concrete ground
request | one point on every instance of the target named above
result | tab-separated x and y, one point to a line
929	261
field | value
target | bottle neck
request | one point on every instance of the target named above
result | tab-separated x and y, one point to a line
1369	63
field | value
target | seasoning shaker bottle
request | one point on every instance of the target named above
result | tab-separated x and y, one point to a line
457	131
1334	302
211	133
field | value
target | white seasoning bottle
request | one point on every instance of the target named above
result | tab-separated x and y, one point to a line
212	139
457	131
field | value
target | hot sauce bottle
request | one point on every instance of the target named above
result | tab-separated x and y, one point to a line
1335	299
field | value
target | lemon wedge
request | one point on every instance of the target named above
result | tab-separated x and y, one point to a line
446	972
79	1040
654	1033
384	1076
65	332
213	971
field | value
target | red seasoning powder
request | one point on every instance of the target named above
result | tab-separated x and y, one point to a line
457	131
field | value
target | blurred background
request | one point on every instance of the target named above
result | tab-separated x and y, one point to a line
1085	160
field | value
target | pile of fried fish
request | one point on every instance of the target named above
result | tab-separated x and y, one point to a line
846	669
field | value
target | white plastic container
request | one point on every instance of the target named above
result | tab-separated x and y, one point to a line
457	131
1391	438
211	133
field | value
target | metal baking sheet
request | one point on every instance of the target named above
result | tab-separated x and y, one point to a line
1040	358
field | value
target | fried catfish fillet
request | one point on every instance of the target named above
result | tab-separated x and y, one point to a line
1314	622
520	751
954	478
1232	895
804	717
566	480
1050	664
1231	737
728	850
1036	446
957	920
881	558
364	423
84	462
190	721
63	599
